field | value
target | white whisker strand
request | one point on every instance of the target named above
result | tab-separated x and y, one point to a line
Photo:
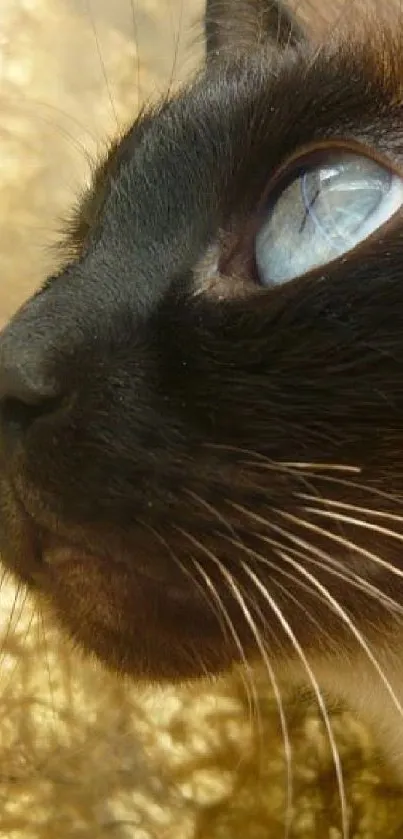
331	564
287	574
224	621
316	471
342	517
353	578
378	493
248	681
319	467
277	465
185	571
344	616
395	609
236	540
347	543
336	569
234	587
213	511
273	680
332	25
297	603
351	546
316	688
343	505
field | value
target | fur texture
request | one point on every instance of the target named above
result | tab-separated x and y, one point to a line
152	422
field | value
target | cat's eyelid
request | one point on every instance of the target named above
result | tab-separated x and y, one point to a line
303	154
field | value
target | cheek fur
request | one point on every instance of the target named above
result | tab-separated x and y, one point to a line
213	467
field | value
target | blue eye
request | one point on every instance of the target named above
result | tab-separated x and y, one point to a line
324	211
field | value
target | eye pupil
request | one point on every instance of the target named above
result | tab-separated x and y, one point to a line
321	211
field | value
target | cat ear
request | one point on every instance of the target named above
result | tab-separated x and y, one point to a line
232	25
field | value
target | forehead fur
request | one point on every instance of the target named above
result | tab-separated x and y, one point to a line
349	83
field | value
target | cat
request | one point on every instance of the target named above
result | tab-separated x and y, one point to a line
201	412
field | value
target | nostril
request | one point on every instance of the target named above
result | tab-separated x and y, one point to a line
27	388
20	382
17	416
24	369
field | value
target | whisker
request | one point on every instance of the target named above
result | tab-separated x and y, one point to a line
41	624
290	596
137	46
221	613
336	570
26	101
315	471
102	62
175	558
249	682
222	520
278	464
316	688
330	502
328	35
331	566
9	624
320	467
213	511
385	531
379	493
352	546
263	652
10	628
338	609
278	569
177	38
288	817
331	563
347	543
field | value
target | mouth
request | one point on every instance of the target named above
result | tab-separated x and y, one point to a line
131	615
51	556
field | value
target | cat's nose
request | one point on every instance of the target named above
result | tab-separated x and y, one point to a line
23	381
25	378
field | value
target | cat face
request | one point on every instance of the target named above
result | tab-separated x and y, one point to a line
202	412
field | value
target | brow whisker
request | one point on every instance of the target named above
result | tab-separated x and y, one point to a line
102	62
137	46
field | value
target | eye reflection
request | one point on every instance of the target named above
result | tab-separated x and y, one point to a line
323	211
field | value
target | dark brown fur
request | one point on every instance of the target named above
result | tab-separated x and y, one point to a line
162	424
